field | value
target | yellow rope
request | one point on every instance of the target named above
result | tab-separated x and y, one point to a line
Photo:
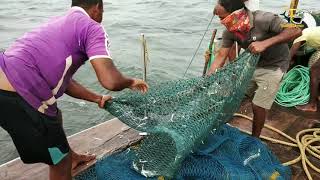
304	140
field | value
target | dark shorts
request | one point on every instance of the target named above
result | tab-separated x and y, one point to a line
38	138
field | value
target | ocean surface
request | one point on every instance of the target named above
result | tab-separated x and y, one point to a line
173	29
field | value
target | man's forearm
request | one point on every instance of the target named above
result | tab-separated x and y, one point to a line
287	35
217	63
122	83
109	76
294	49
219	60
76	90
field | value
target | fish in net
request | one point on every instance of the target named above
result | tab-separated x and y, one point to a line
226	154
179	115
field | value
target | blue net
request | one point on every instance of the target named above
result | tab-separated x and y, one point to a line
225	154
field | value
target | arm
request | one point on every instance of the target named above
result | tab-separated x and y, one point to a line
295	47
272	23
223	52
111	79
219	61
233	52
287	35
76	90
97	49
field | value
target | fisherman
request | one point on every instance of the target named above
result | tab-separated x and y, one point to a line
38	68
252	5
262	33
310	37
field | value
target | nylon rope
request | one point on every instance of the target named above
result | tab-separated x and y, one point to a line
196	52
295	88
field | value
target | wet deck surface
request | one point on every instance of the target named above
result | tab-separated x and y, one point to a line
290	121
104	139
113	136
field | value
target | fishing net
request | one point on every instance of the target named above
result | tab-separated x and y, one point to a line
178	115
225	154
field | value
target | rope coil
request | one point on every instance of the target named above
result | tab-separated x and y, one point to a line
295	88
304	140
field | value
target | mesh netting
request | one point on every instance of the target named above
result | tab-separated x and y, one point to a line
225	154
178	115
230	154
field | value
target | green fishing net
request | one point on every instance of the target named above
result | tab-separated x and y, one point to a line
179	115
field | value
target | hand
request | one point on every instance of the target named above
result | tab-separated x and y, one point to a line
103	100
211	71
207	55
257	47
292	61
291	64
139	85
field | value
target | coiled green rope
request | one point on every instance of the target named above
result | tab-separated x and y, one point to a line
295	88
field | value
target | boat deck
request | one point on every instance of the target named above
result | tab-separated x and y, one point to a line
289	121
113	136
103	139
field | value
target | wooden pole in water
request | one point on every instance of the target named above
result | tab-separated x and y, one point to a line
210	48
144	57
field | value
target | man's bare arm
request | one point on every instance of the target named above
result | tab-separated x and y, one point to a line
78	91
295	47
219	61
287	35
111	79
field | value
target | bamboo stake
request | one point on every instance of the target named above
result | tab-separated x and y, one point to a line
144	57
210	47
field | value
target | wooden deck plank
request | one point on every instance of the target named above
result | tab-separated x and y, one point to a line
103	139
114	135
290	121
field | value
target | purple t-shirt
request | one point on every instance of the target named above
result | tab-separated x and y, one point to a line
41	63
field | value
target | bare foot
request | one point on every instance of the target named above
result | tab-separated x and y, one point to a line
79	159
308	108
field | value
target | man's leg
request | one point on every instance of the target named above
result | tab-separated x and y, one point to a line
76	159
37	137
268	82
259	117
61	171
314	89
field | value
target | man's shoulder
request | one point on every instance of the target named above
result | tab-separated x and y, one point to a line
261	12
264	16
78	16
267	20
82	22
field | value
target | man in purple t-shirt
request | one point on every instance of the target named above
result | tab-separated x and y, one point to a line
38	68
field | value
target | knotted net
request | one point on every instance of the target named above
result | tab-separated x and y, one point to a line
179	115
225	154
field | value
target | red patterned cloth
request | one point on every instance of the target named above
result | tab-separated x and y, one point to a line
238	23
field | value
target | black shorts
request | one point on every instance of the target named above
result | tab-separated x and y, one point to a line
38	138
